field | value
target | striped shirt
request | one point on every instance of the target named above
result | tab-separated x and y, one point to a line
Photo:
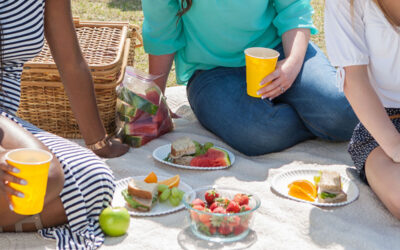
88	189
89	184
22	38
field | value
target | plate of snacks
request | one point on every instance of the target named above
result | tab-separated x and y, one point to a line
190	154
317	187
221	214
150	195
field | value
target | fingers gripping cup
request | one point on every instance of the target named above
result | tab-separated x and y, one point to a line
260	62
34	168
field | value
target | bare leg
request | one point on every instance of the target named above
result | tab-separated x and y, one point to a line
53	214
384	178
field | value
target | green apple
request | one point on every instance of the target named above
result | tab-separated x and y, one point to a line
114	221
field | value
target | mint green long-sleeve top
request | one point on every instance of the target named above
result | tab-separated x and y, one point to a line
216	32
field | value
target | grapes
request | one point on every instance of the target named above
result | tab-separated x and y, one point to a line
165	194
175	192
180	194
161	187
175	201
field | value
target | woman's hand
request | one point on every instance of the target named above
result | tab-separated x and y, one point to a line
6	178
114	149
281	79
295	43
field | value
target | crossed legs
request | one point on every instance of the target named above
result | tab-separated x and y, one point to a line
383	176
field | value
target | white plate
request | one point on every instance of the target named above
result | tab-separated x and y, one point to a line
162	152
159	208
281	181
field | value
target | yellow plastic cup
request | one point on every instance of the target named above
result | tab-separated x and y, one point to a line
33	165
260	62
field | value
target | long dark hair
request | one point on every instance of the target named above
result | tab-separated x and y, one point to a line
185	6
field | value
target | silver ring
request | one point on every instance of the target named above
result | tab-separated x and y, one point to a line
282	89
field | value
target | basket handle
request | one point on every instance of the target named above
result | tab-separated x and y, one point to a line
76	20
135	35
96	86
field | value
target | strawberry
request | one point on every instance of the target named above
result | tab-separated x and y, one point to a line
233	207
198	202
204	218
198	207
233	221
194	215
205	229
241	199
239	229
222	202
219	210
216	221
224	230
213	206
245	208
244	220
210	196
213	230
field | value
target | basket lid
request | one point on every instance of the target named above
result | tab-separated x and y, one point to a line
101	43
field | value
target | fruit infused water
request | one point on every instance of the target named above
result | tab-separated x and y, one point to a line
33	165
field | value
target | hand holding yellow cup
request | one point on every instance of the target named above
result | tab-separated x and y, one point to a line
33	165
260	62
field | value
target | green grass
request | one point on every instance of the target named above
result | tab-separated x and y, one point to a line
131	10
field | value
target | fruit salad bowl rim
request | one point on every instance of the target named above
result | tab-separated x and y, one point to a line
191	195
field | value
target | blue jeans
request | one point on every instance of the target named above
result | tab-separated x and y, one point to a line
312	107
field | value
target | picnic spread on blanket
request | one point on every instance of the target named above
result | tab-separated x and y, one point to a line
183	184
279	222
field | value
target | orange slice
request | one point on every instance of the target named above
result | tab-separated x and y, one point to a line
299	193
151	178
307	186
171	182
303	189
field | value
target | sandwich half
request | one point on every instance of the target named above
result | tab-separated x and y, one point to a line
182	147
330	188
141	195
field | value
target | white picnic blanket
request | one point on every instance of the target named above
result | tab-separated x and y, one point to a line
280	223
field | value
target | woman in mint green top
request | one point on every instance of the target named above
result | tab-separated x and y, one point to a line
207	39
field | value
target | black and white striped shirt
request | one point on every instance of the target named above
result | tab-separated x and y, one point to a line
89	183
22	39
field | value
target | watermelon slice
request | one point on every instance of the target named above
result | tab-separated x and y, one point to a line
214	157
145	127
125	111
137	101
162	113
138	140
153	94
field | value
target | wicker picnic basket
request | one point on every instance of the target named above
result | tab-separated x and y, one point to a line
102	46
108	48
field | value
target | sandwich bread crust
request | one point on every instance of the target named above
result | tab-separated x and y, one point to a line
182	146
142	189
330	182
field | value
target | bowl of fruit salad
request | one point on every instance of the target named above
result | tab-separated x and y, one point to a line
220	214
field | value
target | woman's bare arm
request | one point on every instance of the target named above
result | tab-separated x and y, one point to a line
295	43
161	65
75	74
13	136
370	110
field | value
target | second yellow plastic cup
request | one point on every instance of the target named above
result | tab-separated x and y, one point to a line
260	62
33	165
